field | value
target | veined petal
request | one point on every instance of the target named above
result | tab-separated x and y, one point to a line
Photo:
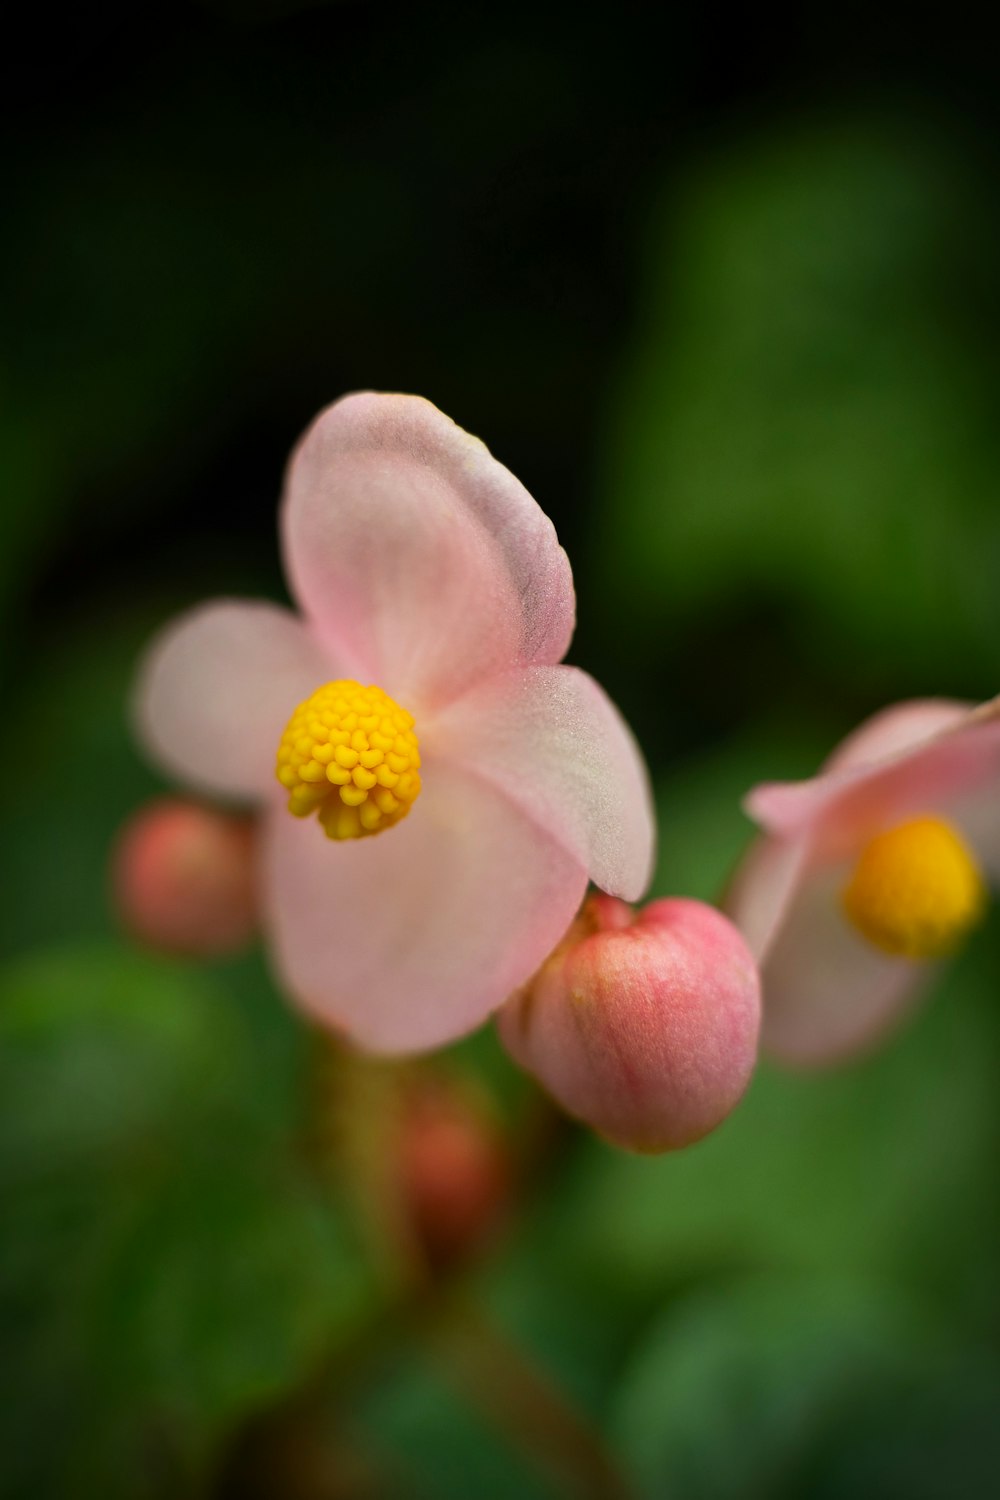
553	742
418	556
827	993
410	939
218	686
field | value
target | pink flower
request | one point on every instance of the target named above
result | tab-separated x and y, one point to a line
642	1024
869	873
497	782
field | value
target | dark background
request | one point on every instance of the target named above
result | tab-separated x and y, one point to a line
721	289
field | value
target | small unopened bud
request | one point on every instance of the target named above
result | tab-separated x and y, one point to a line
454	1169
183	878
643	1025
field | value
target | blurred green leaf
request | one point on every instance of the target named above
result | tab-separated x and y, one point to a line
737	1386
807	419
537	1293
432	1444
885	1166
167	1265
941	1438
702	831
87	776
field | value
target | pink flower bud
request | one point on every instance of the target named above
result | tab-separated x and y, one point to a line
455	1171
643	1025
183	878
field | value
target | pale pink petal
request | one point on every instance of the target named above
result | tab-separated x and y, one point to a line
977	814
419	557
899	727
411	938
218	686
553	742
828	993
976	808
843	808
762	887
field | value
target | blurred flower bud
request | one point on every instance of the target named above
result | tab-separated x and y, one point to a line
643	1025
454	1170
183	878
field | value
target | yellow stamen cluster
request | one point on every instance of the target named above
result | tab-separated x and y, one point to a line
916	890
350	755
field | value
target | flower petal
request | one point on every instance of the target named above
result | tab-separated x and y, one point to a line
977	814
841	807
827	993
554	743
423	561
762	887
894	729
218	686
411	938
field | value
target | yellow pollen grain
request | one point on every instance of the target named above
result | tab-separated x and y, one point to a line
349	754
916	890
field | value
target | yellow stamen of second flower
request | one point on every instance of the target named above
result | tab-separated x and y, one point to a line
916	890
349	754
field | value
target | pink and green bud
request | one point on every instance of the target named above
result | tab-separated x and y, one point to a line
183	878
642	1025
455	1171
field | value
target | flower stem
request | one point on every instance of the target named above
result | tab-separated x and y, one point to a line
510	1389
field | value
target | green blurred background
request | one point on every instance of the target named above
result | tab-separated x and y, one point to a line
723	294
